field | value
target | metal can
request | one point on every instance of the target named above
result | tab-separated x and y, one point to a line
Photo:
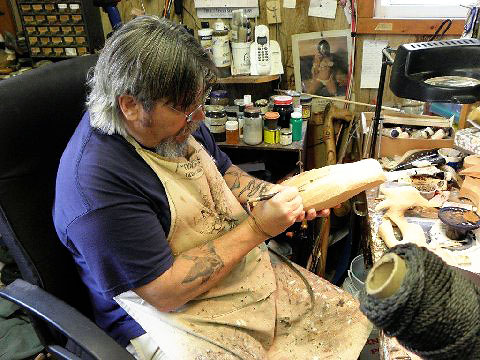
306	102
271	136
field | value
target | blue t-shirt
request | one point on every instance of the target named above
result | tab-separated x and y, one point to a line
111	211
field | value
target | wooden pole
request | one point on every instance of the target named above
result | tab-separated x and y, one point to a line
351	102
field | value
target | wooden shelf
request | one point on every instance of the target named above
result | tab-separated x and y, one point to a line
248	79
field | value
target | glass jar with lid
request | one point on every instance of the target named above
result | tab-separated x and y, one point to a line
284	106
215	119
271	120
285	136
219	97
253	126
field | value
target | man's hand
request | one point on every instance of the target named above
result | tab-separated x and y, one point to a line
274	216
309	214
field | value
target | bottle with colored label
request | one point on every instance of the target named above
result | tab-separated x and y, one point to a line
296	124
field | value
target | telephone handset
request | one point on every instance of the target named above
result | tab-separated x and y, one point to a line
260	51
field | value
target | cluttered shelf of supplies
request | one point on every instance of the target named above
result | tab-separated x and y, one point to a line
440	190
298	146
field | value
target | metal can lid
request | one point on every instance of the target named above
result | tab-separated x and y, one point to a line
285	131
215	111
283	100
231	125
305	98
272	115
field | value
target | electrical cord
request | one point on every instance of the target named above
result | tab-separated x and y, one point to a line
447	22
193	17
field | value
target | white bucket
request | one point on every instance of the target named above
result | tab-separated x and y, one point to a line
358	273
241	58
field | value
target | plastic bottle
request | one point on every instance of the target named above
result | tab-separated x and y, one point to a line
205	37
221	49
296	122
231	127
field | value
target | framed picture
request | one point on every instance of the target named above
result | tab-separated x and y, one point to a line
320	61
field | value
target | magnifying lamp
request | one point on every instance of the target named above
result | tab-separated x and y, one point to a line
434	71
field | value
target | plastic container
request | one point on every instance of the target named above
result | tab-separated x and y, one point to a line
232	133
296	121
285	136
221	49
205	39
241	57
283	105
271	120
219	97
253	126
358	273
306	102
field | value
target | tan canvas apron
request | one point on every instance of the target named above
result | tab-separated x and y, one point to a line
244	315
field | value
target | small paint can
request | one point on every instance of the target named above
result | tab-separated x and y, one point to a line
271	136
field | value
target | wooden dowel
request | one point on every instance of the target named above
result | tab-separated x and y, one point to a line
351	102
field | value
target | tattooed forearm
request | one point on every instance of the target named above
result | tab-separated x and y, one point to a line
244	185
232	178
203	266
255	187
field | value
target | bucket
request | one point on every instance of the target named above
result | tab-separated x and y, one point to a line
241	58
358	273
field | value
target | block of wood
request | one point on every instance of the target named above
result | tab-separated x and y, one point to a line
331	185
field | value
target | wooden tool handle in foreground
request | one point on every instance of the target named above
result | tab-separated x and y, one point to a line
331	185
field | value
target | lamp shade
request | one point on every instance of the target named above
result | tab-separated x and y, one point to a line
418	67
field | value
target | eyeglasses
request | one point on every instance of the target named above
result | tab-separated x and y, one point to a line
189	117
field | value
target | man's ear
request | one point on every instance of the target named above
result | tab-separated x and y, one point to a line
131	109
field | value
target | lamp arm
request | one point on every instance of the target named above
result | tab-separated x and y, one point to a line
377	120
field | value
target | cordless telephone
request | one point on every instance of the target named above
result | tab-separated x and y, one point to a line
260	51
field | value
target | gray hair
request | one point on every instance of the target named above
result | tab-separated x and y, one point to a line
149	58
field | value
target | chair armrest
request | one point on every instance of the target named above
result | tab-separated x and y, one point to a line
88	336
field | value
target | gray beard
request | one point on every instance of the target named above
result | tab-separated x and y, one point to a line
169	148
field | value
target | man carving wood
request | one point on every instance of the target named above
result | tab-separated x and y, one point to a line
151	211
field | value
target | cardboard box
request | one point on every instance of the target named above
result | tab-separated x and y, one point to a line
395	146
391	147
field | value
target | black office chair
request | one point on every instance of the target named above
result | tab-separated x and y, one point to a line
39	111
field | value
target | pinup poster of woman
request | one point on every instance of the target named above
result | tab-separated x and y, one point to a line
323	64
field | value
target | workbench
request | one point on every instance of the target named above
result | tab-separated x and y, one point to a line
389	347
